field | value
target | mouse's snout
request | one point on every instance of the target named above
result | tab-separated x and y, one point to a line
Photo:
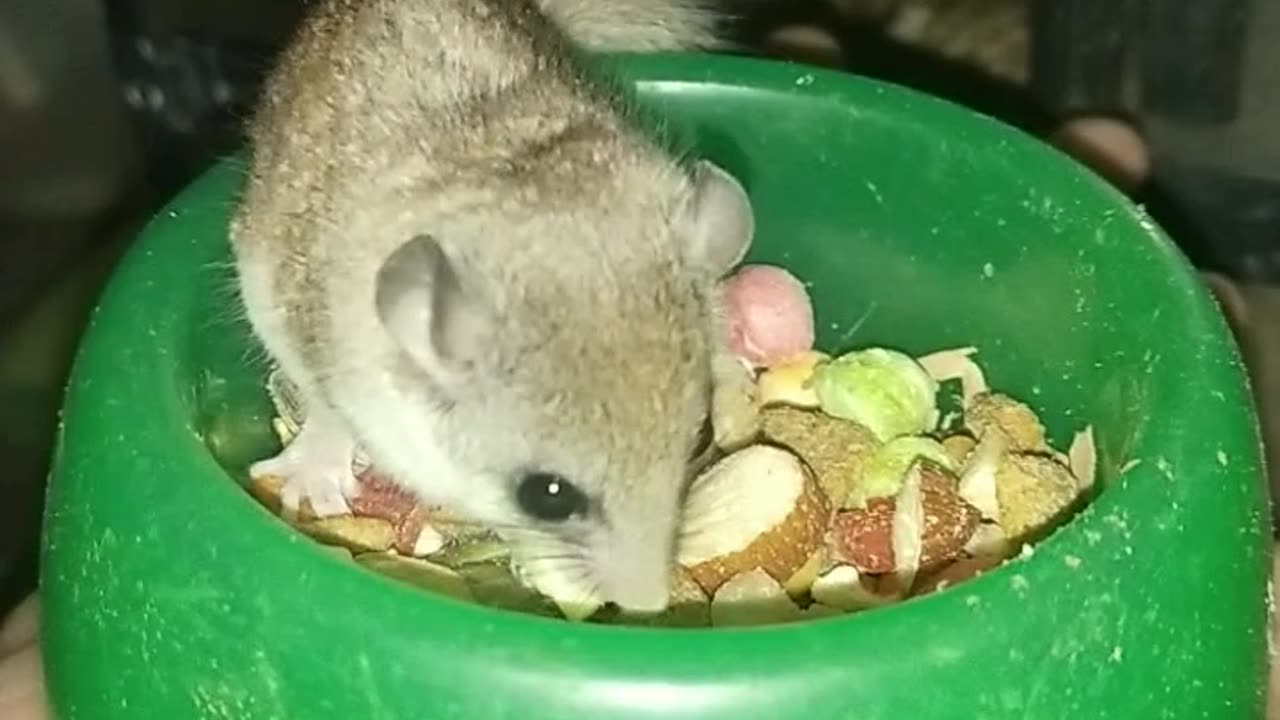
648	595
637	581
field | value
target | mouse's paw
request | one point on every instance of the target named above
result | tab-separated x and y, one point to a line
316	467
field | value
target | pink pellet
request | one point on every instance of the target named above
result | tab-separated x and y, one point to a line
770	318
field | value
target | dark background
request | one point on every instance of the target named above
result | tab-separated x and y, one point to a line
108	107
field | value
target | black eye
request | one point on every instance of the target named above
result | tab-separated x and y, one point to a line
702	443
549	497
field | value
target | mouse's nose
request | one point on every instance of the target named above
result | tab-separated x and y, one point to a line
642	587
639	598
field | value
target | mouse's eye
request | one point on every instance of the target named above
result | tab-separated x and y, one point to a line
702	442
549	497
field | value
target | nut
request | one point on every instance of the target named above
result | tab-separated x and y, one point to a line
1032	491
989	540
473	551
955	364
790	383
991	411
267	489
954	573
800	582
757	508
358	534
427	575
377	499
735	405
863	537
844	588
380	498
834	449
958	447
1082	458
752	598
495	584
884	471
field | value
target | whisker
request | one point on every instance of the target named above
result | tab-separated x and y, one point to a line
566	558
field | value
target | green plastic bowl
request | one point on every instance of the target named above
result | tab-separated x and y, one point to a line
170	593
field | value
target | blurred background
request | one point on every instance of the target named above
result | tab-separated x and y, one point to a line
108	107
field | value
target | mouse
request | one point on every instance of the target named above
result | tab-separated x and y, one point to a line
480	274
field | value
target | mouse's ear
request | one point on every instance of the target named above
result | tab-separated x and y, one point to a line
424	304
721	219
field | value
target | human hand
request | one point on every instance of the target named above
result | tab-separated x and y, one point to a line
22	694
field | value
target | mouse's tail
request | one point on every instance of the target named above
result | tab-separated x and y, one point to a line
640	25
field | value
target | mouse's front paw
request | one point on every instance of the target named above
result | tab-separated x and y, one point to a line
314	469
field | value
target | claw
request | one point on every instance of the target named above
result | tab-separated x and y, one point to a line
317	468
324	486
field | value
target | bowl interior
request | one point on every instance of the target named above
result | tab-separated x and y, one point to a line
919	226
915	225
